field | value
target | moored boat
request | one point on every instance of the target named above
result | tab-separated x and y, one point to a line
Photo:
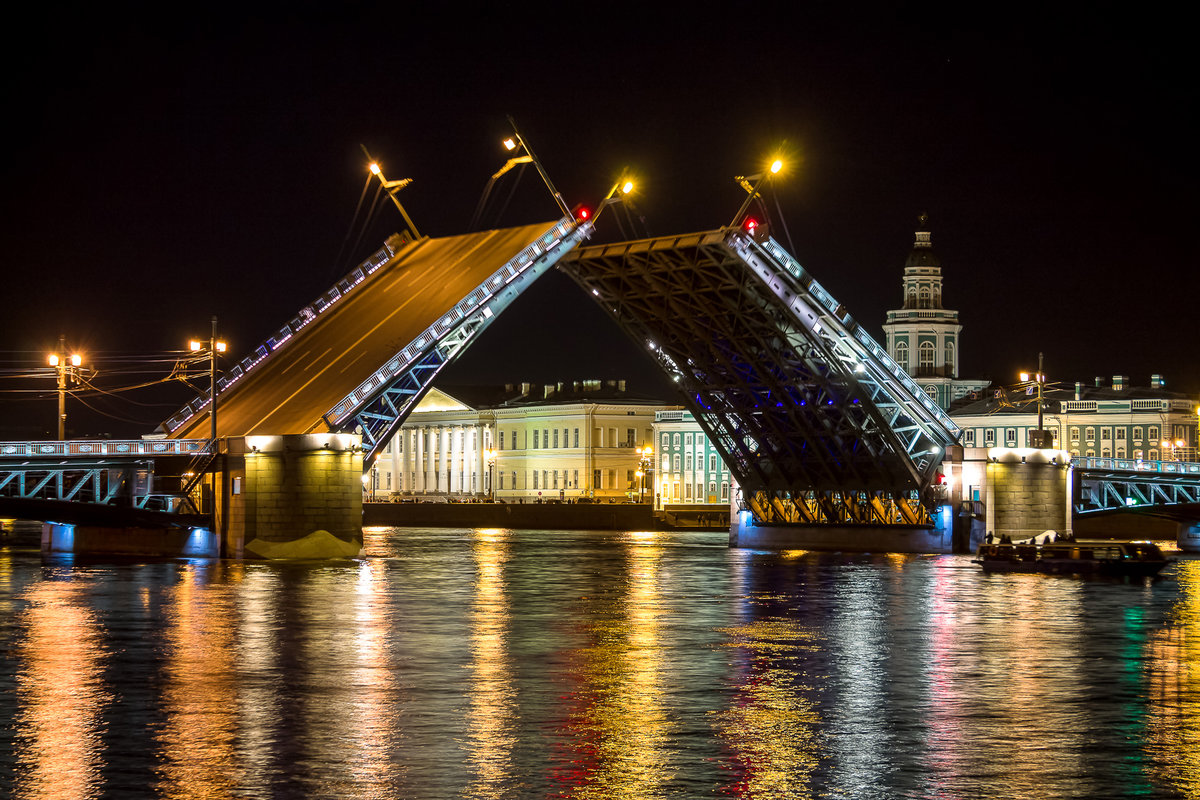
1132	559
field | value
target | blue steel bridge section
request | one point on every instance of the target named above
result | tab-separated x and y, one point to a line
816	422
1107	485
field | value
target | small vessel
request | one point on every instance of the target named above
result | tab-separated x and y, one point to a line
1132	559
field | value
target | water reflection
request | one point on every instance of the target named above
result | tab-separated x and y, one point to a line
63	694
1173	678
493	708
198	754
616	722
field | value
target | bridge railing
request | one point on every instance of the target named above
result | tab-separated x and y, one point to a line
303	318
94	448
1136	465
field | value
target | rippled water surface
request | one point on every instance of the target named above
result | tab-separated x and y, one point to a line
513	664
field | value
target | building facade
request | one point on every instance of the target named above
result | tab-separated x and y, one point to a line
1117	420
688	469
923	336
524	443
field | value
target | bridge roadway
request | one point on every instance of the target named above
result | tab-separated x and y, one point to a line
289	391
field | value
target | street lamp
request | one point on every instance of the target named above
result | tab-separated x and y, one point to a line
67	367
490	456
392	188
752	189
619	191
516	143
214	347
645	465
1040	437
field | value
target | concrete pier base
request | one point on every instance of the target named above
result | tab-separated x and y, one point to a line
1188	537
59	538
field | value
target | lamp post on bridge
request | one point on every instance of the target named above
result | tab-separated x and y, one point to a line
1040	437
752	189
214	347
67	369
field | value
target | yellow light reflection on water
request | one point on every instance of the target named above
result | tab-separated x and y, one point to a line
770	725
1173	682
60	687
198	742
491	716
616	718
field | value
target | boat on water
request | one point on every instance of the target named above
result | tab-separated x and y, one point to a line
1118	559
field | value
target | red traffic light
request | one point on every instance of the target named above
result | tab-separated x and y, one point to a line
751	225
582	213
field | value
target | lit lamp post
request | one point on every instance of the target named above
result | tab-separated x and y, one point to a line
752	189
490	456
645	463
1174	447
392	188
1040	437
214	347
67	368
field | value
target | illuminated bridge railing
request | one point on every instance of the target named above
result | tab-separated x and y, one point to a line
864	339
102	448
1138	465
476	302
307	314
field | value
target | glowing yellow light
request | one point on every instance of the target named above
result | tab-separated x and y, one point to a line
53	360
76	360
193	345
221	347
374	168
776	165
627	187
1024	376
509	144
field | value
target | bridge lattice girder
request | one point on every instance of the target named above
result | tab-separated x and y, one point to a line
1100	489
792	393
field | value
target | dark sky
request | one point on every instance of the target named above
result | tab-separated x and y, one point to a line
162	170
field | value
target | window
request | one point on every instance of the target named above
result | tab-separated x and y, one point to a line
630	437
925	358
688	462
675	462
902	354
1137	432
545	479
949	354
1090	431
556	438
1106	433
575	478
1154	455
1010	436
545	438
500	443
576	438
1120	434
712	488
567	437
555	479
1106	453
514	479
675	440
924	295
1152	434
501	477
666	441
724	490
1074	433
535	479
687	439
699	492
596	479
687	491
535	440
989	437
514	442
969	437
712	463
629	479
388	477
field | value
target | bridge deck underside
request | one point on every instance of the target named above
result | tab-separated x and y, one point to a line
789	421
290	391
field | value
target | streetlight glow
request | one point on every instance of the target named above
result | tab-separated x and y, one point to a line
509	144
627	187
374	167
776	165
53	360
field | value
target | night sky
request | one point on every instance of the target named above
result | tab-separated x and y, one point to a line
160	171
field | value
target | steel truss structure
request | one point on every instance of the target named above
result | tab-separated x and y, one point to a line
1106	484
813	418
378	407
114	473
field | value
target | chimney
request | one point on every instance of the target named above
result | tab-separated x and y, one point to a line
1157	382
621	386
508	388
1099	382
1119	382
1078	390
547	391
525	387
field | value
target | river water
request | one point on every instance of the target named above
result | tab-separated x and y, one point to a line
556	664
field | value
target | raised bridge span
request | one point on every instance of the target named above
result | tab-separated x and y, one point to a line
816	422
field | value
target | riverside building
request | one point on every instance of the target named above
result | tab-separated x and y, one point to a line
520	442
923	336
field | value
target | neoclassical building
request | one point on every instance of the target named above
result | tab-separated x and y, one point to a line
556	441
1104	420
923	335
